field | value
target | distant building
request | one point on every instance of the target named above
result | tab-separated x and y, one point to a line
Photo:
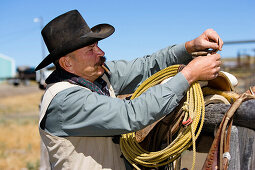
7	67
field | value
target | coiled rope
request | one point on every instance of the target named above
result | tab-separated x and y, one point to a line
194	109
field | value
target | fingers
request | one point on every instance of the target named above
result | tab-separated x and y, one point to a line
216	70
215	41
215	62
218	63
215	56
216	75
208	39
211	64
212	45
202	68
211	35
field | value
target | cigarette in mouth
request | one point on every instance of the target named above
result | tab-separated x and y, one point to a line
106	69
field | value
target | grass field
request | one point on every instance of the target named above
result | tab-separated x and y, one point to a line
19	136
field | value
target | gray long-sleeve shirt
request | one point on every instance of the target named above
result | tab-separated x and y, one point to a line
79	112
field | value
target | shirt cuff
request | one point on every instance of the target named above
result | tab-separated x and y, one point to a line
180	51
179	85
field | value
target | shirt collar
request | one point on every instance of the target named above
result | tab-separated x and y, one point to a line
60	74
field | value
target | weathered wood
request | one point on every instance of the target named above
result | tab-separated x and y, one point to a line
244	116
242	149
247	148
234	163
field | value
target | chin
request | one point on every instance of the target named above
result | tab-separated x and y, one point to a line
100	74
100	71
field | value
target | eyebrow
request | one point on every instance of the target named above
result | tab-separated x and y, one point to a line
92	45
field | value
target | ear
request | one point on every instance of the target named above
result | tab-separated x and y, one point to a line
66	64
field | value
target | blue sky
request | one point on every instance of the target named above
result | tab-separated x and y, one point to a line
142	26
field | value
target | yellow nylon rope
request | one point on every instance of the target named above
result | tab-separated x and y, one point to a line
187	135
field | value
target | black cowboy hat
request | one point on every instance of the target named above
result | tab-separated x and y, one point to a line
69	32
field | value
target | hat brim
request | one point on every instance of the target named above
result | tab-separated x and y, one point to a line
97	33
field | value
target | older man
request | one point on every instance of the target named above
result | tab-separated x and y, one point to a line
80	113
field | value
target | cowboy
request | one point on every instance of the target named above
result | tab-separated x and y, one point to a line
80	112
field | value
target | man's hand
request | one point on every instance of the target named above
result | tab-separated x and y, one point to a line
209	39
202	68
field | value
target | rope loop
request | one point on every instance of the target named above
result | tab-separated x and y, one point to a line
195	111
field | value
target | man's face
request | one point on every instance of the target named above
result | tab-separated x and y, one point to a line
87	62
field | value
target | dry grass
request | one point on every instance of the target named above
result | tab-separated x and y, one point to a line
19	135
20	103
19	145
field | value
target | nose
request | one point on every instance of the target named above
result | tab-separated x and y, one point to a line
98	51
